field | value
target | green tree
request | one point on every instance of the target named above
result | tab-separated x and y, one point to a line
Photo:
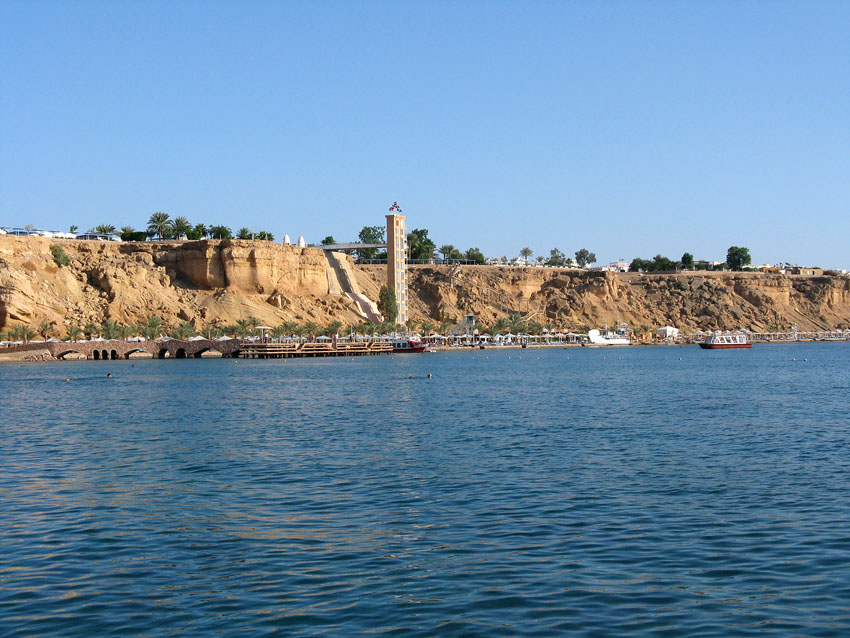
556	258
446	250
105	229
387	304
501	325
244	327
585	257
475	255
73	333
184	331
125	332
92	330
687	261
200	231
265	235
334	328
244	233
45	329
516	323
371	235
419	245
109	329
526	254
73	228
427	327
159	224
327	241
152	328
220	232
181	227
737	257
24	333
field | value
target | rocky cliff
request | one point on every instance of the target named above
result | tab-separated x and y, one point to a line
573	298
204	281
197	282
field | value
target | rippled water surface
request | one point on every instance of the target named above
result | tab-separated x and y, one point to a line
520	492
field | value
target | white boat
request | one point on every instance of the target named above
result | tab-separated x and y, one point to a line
608	337
724	340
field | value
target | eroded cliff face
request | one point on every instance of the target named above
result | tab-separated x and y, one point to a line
573	298
200	282
224	281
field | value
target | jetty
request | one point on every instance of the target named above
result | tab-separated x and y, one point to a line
104	349
314	349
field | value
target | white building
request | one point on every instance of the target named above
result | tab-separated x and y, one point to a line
667	333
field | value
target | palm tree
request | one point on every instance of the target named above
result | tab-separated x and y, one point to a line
92	330
516	323
184	331
300	331
73	333
220	232
243	327
253	322
500	326
212	329
105	229
126	230
73	229
279	331
109	329
23	333
160	224
290	327
311	328
244	233
525	253
125	332
180	226
445	326
151	329
334	328
45	328
202	230
446	250
427	327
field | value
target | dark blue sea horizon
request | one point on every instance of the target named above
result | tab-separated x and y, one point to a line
633	490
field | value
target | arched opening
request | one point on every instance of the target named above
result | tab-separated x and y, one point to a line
200	353
96	355
104	355
113	355
163	353
180	354
135	350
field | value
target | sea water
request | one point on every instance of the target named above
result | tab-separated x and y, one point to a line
633	490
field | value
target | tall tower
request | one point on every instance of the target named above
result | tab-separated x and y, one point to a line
397	259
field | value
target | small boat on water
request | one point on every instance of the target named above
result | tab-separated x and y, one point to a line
408	345
609	337
725	340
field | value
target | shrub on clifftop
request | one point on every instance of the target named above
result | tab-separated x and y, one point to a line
60	257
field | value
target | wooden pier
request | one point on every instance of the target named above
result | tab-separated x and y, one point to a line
314	349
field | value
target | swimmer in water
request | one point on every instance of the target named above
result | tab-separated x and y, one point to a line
108	375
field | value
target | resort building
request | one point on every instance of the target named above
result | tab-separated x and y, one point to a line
397	262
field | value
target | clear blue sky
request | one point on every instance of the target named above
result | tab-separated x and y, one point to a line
628	128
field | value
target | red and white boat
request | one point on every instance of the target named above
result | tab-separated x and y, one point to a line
408	345
725	340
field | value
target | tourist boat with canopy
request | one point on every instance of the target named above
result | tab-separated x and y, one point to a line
726	340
